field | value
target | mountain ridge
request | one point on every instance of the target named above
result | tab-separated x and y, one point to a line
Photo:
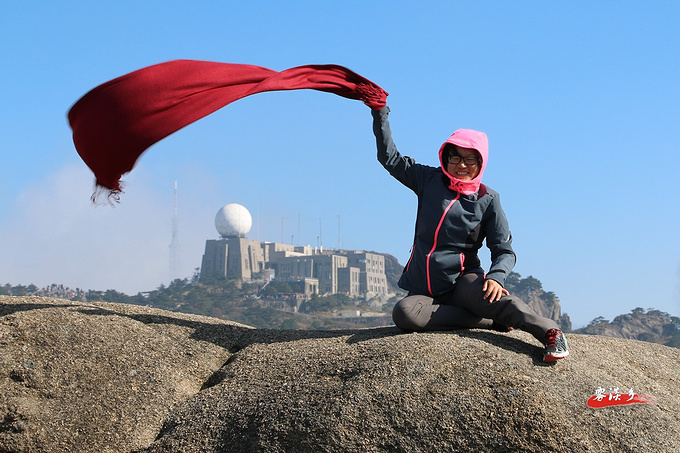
651	326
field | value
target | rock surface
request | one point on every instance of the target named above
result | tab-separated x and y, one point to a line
121	378
98	377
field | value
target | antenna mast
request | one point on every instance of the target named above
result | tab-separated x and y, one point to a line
173	243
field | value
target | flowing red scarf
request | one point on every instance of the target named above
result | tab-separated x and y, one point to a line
117	121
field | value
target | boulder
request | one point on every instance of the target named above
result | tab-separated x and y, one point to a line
98	377
111	377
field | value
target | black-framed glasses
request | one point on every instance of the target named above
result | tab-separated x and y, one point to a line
470	161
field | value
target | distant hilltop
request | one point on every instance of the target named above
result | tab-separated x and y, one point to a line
652	325
270	312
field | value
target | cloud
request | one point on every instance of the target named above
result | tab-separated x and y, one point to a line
54	234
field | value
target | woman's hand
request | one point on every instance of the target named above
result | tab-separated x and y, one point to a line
493	291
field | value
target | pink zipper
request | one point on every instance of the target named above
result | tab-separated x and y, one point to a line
434	244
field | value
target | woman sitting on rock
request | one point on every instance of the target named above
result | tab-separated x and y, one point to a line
447	287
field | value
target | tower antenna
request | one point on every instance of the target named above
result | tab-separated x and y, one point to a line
173	243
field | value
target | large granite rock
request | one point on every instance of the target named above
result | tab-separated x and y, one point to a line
98	377
111	377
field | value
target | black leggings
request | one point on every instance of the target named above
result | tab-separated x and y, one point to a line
465	307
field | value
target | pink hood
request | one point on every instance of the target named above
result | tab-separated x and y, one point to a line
467	138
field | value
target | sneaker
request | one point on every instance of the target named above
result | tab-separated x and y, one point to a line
556	346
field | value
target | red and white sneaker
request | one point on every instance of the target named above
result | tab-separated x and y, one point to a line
556	346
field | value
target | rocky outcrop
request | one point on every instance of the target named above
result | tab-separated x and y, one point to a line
112	377
98	377
548	306
653	326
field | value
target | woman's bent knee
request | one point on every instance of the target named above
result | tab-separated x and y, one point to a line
408	314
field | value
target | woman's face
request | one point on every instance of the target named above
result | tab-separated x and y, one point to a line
464	171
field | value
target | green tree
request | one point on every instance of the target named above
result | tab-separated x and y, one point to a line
261	317
646	336
531	284
598	320
19	290
160	299
675	340
513	279
111	295
326	303
549	297
676	321
275	287
289	324
92	295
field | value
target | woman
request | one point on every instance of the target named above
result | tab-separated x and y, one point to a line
447	287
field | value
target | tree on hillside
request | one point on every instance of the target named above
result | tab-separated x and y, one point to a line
675	340
531	284
275	287
289	324
21	290
515	283
326	303
598	320
513	279
549	297
111	295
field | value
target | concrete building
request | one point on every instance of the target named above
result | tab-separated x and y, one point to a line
349	281
350	272
372	271
354	273
232	258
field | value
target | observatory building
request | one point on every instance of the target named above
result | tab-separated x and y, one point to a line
232	256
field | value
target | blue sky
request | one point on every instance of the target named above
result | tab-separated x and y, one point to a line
581	102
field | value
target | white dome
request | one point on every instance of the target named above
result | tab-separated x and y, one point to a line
233	220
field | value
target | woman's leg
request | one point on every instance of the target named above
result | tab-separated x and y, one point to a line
509	311
418	313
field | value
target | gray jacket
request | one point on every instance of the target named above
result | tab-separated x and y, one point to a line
450	225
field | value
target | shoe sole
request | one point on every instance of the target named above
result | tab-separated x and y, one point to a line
549	358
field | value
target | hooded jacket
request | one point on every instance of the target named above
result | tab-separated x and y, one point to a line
454	217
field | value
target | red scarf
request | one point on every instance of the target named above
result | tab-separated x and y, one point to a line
117	121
